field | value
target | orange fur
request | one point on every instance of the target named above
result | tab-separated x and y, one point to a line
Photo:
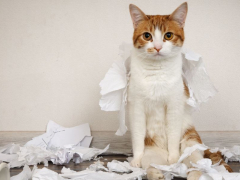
186	90
163	23
216	157
149	141
191	134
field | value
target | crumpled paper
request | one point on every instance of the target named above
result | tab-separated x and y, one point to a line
98	172
210	171
88	174
122	167
213	172
32	155
232	154
130	173
115	83
44	148
97	166
179	169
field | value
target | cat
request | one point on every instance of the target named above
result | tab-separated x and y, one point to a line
160	119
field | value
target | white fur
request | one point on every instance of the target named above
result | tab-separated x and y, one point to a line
157	104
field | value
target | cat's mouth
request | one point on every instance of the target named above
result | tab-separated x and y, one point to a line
158	54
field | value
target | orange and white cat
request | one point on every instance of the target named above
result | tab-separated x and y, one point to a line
160	118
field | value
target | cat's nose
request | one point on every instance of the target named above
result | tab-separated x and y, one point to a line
158	48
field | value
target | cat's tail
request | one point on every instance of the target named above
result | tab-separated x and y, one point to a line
216	157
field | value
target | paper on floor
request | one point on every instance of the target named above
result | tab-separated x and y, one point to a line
130	173
117	166
97	166
210	171
94	172
88	174
26	174
57	136
58	144
213	172
32	155
179	169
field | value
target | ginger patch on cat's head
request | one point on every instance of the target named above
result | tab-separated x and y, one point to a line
158	35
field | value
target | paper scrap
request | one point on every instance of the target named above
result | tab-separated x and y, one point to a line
57	136
46	174
114	87
117	166
24	175
189	150
196	78
97	166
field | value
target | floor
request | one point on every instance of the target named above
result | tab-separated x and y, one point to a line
120	147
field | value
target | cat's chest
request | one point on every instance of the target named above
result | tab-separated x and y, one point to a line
157	84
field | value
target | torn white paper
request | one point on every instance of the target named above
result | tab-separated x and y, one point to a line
46	174
26	174
189	150
88	174
82	154
57	136
97	166
58	144
179	169
196	78
169	171
114	87
117	166
213	172
115	83
93	174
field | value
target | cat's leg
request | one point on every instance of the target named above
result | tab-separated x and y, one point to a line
174	130
154	155
191	138
138	130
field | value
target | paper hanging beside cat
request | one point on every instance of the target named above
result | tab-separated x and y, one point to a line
115	83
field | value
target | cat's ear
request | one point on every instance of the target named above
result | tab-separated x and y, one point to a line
137	15
180	14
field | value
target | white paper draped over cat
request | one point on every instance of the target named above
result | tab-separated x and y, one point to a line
114	85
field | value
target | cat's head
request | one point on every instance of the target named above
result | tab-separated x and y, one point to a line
158	36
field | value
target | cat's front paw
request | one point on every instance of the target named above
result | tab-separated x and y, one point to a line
136	162
173	158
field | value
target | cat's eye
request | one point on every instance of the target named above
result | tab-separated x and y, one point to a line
168	36
147	36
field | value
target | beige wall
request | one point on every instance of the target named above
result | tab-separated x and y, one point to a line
53	54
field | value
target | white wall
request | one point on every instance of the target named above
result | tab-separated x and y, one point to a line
53	54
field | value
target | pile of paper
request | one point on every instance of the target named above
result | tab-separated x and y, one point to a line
209	171
58	145
232	154
98	172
